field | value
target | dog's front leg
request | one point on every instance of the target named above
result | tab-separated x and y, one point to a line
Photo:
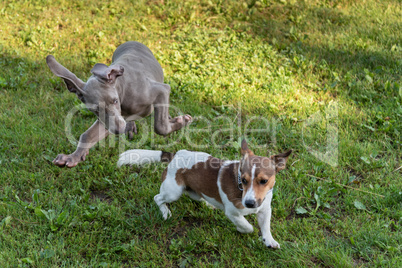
264	221
131	129
88	139
242	225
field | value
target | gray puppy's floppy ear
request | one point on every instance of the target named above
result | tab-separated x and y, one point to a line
73	83
107	73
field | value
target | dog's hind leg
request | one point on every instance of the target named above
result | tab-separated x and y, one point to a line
164	124
160	201
170	191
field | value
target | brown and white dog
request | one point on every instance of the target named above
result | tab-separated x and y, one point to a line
237	187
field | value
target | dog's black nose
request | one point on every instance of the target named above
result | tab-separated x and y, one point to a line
250	203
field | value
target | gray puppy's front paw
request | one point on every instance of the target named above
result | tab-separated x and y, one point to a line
70	160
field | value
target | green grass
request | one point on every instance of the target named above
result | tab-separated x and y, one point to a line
274	65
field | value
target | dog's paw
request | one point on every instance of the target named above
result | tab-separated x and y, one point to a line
183	120
187	119
71	160
166	214
162	206
131	129
271	243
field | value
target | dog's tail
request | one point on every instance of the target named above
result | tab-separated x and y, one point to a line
143	157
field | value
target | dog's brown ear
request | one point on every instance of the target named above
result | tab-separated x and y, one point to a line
107	73
245	151
73	83
280	160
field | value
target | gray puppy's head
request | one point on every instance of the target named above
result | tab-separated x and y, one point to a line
98	93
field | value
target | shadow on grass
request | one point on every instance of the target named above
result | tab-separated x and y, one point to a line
359	48
344	45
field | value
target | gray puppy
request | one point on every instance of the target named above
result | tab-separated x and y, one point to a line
129	89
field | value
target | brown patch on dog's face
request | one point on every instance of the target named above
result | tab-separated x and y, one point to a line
258	175
263	184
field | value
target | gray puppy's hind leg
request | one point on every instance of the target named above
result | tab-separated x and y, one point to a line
164	124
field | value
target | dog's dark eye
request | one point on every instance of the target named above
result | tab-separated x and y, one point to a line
263	181
115	101
244	181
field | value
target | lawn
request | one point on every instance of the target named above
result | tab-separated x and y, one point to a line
320	77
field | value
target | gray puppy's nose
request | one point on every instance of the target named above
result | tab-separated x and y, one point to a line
250	203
